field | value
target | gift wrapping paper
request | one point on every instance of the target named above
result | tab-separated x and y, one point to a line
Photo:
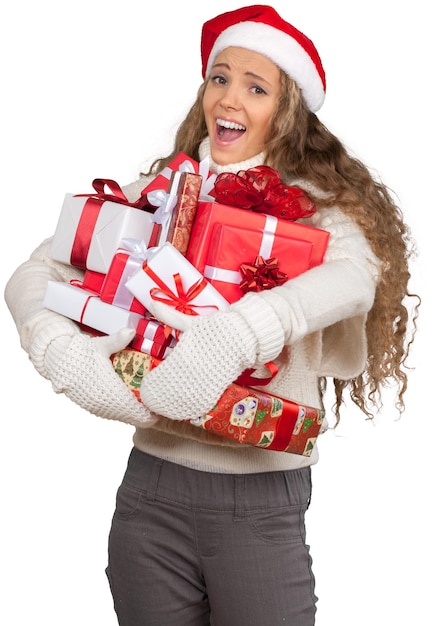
86	308
176	226
184	163
209	214
231	246
154	338
168	276
256	418
93	281
89	231
131	365
123	265
248	416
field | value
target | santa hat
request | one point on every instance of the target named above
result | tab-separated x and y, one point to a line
261	29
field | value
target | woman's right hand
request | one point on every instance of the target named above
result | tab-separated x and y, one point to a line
80	367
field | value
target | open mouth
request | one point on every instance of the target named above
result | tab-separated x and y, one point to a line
229	131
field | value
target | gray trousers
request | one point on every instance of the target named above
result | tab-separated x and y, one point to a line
191	548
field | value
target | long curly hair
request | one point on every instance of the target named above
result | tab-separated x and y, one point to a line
300	146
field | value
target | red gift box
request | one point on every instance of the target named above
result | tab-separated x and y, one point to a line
257	418
176	209
245	415
232	246
183	163
93	281
209	214
127	260
154	338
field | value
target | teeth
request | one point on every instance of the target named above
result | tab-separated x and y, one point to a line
231	125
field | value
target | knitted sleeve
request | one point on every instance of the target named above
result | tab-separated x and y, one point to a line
24	294
343	287
76	364
216	349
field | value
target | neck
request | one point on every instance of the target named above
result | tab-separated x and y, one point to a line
204	152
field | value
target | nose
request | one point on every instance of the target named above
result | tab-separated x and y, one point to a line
230	98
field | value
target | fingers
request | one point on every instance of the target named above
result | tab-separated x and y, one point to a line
169	316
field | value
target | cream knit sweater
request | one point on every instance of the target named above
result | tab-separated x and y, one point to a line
312	326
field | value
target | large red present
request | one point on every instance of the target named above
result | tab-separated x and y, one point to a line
91	226
154	338
167	276
233	250
257	418
209	214
183	163
127	260
176	209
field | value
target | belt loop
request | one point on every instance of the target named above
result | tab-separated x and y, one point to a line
239	498
153	482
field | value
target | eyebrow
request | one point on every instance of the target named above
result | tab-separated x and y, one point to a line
251	74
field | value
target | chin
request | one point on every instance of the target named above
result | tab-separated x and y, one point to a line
224	156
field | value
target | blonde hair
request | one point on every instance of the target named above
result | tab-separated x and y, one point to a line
300	146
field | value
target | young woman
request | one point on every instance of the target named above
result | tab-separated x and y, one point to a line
207	531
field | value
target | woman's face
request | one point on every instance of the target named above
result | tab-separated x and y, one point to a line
240	99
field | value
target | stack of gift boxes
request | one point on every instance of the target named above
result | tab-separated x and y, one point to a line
183	244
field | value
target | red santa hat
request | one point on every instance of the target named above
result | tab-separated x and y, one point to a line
261	29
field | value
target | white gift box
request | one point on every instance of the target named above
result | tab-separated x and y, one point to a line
167	275
86	308
90	230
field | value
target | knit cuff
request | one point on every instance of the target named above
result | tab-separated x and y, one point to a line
258	311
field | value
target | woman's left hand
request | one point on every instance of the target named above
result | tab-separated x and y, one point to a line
211	353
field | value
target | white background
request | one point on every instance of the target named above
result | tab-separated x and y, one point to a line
92	89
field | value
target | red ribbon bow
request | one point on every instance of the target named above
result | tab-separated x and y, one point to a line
181	300
262	274
261	189
116	194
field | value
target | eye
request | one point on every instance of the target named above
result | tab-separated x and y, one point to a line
218	79
257	90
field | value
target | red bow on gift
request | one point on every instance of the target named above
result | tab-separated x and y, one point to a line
103	185
261	189
182	300
263	274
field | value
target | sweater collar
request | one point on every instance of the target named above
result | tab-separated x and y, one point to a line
204	152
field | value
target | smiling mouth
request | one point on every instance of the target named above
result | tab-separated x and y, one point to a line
229	131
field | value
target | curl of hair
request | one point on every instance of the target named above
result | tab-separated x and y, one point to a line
300	146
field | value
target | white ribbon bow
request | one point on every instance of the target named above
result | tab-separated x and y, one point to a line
135	247
203	171
165	203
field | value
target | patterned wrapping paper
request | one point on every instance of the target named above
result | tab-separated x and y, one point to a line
246	415
131	365
183	163
177	230
257	418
